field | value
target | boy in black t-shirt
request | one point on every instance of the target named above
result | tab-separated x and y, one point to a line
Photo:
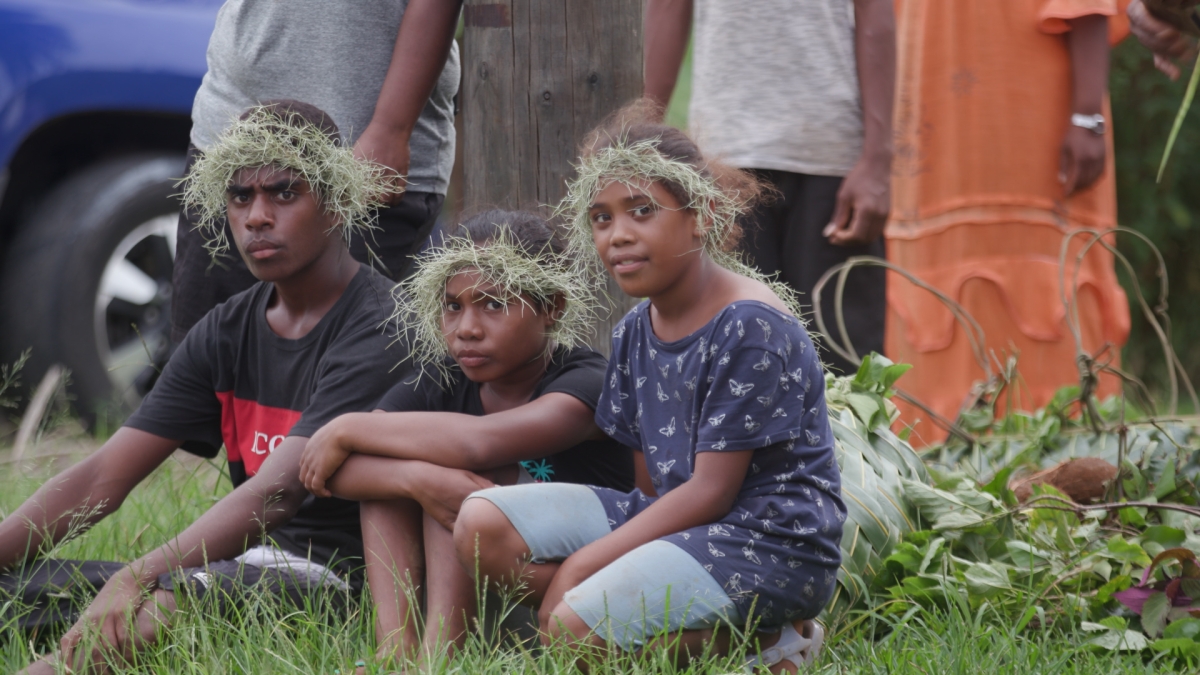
260	373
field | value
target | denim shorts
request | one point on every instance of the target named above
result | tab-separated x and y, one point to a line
656	588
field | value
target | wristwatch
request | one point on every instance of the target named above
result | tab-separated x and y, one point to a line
1093	123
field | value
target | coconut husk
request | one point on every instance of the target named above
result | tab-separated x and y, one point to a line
1182	14
1084	480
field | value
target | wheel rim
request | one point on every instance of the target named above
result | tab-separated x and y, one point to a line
133	301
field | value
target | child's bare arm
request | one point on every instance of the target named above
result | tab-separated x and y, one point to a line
546	425
706	498
439	490
268	499
83	494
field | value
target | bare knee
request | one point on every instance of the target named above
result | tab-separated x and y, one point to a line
486	541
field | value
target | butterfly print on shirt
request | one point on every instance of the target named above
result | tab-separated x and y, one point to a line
739	389
766	329
668	430
748	551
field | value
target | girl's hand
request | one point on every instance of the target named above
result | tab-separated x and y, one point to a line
1081	160
323	455
573	571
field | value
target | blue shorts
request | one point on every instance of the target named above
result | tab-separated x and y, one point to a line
654	589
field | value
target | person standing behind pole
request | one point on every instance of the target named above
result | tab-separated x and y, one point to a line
800	93
386	72
1003	148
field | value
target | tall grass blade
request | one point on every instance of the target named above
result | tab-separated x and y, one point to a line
1183	110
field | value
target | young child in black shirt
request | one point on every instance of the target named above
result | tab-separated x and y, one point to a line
507	395
260	373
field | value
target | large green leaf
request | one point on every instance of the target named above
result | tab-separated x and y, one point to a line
875	465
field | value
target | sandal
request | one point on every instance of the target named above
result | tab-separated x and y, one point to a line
801	648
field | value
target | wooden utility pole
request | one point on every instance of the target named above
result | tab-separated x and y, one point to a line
537	76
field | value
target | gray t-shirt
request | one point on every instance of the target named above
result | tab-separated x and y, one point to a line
775	84
333	55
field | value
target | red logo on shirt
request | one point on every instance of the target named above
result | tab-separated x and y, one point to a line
252	431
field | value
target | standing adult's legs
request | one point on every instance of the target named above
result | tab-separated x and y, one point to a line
787	235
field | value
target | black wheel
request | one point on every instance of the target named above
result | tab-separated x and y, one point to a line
87	280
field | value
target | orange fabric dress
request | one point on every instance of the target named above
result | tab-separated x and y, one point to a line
983	103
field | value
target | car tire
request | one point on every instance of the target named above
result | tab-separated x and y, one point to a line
87	280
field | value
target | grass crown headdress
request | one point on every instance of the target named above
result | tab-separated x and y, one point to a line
533	276
349	189
626	161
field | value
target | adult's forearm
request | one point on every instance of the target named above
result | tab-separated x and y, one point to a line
875	49
1088	45
668	23
422	45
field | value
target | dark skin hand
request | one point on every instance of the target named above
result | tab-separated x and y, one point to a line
265	501
1169	44
422	45
1081	160
864	199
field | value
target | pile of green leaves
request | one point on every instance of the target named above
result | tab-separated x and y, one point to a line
874	463
1125	571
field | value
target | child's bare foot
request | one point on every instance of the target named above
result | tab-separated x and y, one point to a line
796	644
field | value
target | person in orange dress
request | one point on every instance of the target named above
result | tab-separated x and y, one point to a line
1003	147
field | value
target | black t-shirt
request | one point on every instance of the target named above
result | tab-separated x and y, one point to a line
233	381
578	372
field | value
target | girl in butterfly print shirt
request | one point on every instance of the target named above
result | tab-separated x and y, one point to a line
717	382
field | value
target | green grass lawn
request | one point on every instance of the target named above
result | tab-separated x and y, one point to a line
269	639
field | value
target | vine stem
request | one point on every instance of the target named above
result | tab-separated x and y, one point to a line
1111	506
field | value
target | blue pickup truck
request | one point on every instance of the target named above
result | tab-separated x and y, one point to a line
95	103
